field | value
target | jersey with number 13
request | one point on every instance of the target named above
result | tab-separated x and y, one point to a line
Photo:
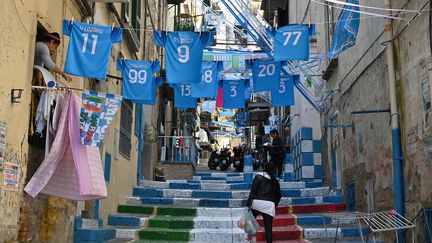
89	48
184	54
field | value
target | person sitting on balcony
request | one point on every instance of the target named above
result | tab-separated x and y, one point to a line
43	52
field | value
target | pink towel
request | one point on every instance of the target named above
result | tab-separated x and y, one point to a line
219	99
71	170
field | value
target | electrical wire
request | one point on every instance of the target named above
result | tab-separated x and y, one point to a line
371	7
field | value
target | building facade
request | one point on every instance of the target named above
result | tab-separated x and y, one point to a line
51	219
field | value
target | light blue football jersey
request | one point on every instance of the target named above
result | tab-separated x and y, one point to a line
184	54
233	94
138	79
183	96
265	73
89	48
291	42
208	86
284	94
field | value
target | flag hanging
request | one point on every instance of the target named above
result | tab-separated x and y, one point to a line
97	112
346	30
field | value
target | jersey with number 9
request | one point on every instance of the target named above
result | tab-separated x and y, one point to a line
184	54
89	48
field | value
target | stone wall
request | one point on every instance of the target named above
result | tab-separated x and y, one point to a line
177	171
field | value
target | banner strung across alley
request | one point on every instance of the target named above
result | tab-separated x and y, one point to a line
97	112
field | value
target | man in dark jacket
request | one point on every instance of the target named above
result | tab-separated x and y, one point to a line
277	151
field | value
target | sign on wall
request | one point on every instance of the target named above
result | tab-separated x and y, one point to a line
11	176
3	128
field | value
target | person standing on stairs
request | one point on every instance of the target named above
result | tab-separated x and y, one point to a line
264	198
277	151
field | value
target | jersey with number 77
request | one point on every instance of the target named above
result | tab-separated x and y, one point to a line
89	48
184	54
291	42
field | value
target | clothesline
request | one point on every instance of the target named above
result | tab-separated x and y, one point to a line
56	88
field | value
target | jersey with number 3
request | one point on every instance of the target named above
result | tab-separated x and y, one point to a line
183	96
89	48
265	73
208	86
184	54
284	94
138	79
292	42
233	94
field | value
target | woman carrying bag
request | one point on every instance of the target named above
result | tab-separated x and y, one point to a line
264	197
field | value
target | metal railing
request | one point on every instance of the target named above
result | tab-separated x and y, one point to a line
177	149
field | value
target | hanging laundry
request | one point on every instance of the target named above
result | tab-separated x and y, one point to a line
70	170
219	99
44	108
233	94
346	29
89	48
291	42
266	73
97	112
138	79
184	54
284	95
183	96
207	88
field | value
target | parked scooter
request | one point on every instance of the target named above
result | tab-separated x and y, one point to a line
213	161
238	158
224	159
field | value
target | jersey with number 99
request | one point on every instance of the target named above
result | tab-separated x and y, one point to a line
89	48
138	78
184	54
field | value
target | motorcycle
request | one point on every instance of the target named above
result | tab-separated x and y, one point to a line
256	159
213	161
238	158
224	159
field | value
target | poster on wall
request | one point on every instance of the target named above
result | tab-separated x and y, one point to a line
3	128
11	177
97	111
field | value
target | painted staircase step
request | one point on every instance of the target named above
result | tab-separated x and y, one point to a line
224	222
288	241
218	235
217	202
310	232
119	240
126	220
311	208
238	194
135	209
344	240
279	220
124	233
172	222
218	174
100	234
153	233
291	232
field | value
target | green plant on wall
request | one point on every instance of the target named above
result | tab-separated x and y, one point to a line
185	25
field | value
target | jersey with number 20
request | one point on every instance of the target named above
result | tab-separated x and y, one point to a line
89	48
184	54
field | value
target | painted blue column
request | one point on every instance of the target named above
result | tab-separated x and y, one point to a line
399	194
289	168
248	169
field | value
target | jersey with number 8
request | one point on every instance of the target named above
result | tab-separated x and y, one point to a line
89	48
184	53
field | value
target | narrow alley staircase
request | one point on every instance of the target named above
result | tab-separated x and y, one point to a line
207	208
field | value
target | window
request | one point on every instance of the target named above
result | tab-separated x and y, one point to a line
126	128
132	15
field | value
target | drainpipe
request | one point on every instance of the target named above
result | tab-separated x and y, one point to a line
398	176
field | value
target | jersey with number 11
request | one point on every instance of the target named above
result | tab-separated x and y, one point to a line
89	48
184	54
